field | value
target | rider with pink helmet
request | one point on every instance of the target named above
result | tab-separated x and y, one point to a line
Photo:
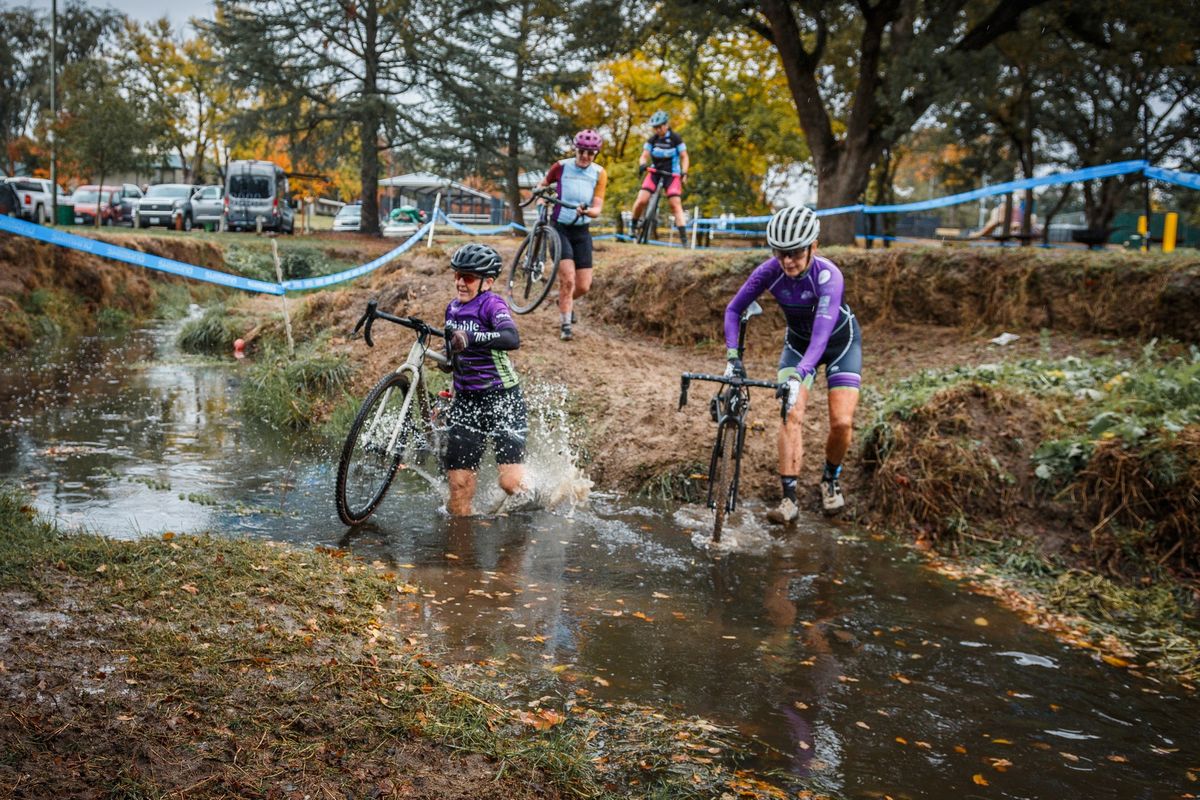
580	183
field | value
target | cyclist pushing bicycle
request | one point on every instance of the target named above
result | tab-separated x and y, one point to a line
670	167
580	184
488	404
821	329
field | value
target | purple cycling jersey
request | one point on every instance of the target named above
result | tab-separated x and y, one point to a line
481	367
811	303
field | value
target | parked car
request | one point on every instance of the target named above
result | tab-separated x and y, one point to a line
10	204
129	196
348	218
208	206
91	200
34	195
256	192
165	204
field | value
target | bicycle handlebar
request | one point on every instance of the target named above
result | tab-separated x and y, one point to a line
373	313
548	194
686	379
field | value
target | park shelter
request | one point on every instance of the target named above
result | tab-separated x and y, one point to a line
459	202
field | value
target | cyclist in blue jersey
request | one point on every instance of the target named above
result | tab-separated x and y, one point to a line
580	184
821	329
671	161
488	404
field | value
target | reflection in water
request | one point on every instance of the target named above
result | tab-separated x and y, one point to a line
860	672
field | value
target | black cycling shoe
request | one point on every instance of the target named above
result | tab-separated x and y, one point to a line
565	332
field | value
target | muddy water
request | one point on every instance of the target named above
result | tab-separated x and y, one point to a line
861	673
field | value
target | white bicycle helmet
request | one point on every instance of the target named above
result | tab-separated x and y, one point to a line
793	227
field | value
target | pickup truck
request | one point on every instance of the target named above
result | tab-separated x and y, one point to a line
37	204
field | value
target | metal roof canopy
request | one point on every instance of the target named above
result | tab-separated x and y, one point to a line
426	183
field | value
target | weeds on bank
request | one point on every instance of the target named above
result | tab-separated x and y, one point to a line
1106	451
213	333
285	392
291	663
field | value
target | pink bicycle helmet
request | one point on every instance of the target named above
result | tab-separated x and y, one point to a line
588	139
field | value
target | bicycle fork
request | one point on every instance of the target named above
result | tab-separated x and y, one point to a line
728	426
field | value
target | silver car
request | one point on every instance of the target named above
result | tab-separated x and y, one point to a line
349	218
208	206
166	204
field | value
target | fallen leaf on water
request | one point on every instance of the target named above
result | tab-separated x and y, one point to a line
958	748
863	725
640	615
661	596
981	621
801	706
925	745
1000	764
802	745
902	679
1001	741
728	637
1114	661
451	556
1191	776
1117	759
1069	756
979	779
901	740
1055	707
600	681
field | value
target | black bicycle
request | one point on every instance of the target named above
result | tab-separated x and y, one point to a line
535	267
400	425
729	408
649	229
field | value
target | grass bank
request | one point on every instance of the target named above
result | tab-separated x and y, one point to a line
1077	479
211	667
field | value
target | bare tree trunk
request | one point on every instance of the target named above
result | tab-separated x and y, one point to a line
369	120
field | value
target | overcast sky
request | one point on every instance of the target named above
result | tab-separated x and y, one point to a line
142	10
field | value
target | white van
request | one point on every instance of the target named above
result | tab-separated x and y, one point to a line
257	190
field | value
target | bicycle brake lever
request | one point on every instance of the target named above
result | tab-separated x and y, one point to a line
781	394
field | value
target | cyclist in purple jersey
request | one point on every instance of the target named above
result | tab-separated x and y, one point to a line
488	405
820	330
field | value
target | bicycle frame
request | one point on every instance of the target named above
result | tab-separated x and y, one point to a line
414	366
728	408
650	217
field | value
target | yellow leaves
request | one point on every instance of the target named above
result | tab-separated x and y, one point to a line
981	621
642	616
1117	759
660	596
958	748
544	719
1001	741
863	725
168	536
1069	756
407	588
923	745
102	568
1000	764
1114	661
452	556
979	779
599	681
902	679
901	740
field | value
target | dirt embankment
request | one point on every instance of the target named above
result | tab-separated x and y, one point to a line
70	287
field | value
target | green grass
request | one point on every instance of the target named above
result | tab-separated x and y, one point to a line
213	333
285	392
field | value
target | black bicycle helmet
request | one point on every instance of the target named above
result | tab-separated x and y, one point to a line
476	259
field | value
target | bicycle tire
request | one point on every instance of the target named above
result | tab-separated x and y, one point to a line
650	220
529	279
368	465
722	473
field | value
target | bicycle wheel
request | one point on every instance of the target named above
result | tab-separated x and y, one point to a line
722	473
378	443
650	220
533	270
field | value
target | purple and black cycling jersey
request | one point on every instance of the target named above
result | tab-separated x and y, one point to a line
491	333
816	318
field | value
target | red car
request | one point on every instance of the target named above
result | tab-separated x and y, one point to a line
86	199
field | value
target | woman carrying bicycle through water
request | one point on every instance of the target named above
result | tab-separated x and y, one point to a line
580	183
666	150
488	404
821	329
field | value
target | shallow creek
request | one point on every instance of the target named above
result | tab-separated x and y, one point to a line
860	671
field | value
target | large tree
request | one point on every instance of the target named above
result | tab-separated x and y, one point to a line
329	75
862	74
493	67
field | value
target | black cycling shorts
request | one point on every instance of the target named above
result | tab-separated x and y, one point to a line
475	418
576	244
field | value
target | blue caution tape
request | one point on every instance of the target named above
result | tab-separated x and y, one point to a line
479	231
350	274
135	257
1189	179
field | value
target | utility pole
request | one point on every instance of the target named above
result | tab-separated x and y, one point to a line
53	111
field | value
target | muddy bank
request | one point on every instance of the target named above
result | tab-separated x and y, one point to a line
45	289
